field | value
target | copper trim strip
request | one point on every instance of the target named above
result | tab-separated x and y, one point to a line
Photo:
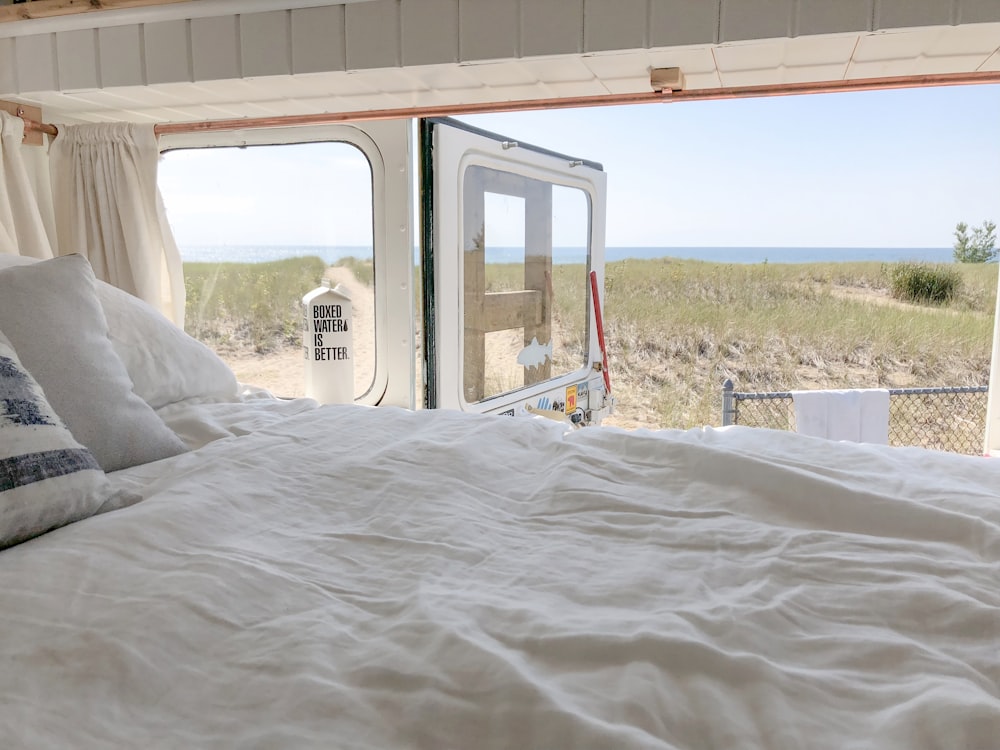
603	100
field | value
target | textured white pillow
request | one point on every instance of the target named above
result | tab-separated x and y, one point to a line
166	365
51	314
7	260
47	479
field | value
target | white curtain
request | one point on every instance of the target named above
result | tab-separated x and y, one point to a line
109	209
24	202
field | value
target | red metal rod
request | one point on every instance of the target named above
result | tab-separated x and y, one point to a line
600	331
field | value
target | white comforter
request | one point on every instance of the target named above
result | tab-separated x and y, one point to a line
349	577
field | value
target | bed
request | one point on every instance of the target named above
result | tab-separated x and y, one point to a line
269	573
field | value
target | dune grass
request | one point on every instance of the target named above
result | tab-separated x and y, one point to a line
362	268
677	329
255	306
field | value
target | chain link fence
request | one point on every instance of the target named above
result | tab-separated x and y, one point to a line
947	419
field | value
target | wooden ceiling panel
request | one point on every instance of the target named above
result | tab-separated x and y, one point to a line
51	8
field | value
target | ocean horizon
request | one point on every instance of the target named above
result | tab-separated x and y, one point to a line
741	255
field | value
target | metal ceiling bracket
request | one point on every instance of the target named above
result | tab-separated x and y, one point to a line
666	79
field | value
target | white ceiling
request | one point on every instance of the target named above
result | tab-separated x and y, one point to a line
844	57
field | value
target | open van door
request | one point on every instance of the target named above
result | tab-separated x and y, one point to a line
512	252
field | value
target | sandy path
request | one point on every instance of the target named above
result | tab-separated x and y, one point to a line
282	372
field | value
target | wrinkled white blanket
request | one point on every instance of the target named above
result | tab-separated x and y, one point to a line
350	577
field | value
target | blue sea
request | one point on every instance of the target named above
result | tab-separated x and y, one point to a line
330	254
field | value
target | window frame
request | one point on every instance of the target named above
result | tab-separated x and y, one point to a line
386	145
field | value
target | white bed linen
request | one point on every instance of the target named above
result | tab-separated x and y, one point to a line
198	422
353	577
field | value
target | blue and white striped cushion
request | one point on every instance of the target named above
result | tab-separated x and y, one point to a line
47	479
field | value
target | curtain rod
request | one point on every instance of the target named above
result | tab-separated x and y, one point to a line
35	126
600	100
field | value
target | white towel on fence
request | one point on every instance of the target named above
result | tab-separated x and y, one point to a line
859	415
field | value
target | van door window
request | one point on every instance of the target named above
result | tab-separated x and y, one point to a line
526	263
260	226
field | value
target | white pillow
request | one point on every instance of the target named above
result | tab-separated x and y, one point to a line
166	364
50	313
47	479
7	260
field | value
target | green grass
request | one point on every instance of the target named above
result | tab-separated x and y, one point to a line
676	330
924	283
249	305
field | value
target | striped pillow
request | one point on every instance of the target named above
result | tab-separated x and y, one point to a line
47	479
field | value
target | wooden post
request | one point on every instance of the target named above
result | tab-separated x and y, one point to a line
538	272
50	8
474	262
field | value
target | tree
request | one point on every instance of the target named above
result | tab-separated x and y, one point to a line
980	247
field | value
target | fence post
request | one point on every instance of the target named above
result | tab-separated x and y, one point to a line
728	404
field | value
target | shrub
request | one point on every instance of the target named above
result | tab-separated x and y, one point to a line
924	283
980	247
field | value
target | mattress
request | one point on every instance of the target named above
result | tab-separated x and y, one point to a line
358	577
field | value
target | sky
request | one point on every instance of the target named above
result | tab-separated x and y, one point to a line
897	168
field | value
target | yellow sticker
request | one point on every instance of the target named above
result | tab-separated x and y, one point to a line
571	399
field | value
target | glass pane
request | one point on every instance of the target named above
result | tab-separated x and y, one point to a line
258	228
526	260
571	280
